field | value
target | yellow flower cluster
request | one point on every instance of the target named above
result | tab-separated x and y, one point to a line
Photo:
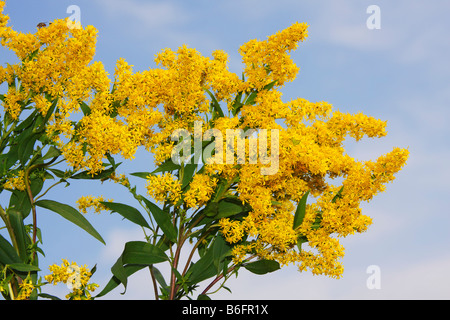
76	277
17	183
26	288
86	202
200	190
121	179
164	188
144	108
267	61
311	155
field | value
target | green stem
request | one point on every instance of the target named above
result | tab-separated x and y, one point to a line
219	277
30	194
155	287
173	286
6	135
5	219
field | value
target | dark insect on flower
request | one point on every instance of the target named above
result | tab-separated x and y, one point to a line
41	25
203	78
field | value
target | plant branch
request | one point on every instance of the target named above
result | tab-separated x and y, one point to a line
217	279
155	287
30	194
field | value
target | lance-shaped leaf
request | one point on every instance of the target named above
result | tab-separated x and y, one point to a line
187	173
72	215
221	250
22	267
127	212
85	108
135	253
140	252
163	220
98	176
143	175
217	110
114	282
270	85
167	165
7	253
338	195
262	266
301	211
26	143
16	221
237	104
204	268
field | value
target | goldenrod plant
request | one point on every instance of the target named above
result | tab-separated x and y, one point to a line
241	179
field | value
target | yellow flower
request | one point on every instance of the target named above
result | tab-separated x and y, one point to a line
17	182
26	288
75	277
12	102
233	231
270	57
143	109
41	103
200	190
89	201
164	188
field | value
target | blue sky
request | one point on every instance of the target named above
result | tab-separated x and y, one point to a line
399	73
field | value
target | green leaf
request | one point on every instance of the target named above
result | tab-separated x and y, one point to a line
98	176
12	156
301	240
48	296
19	201
143	175
210	264
228	209
27	122
51	153
7	253
163	219
203	297
220	251
119	273
23	267
217	110
212	209
158	276
16	220
140	252
85	108
26	145
135	253
270	85
168	165
251	98
262	266
51	109
58	173
72	215
301	211
188	172
203	269
127	212
114	282
237	104
338	195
